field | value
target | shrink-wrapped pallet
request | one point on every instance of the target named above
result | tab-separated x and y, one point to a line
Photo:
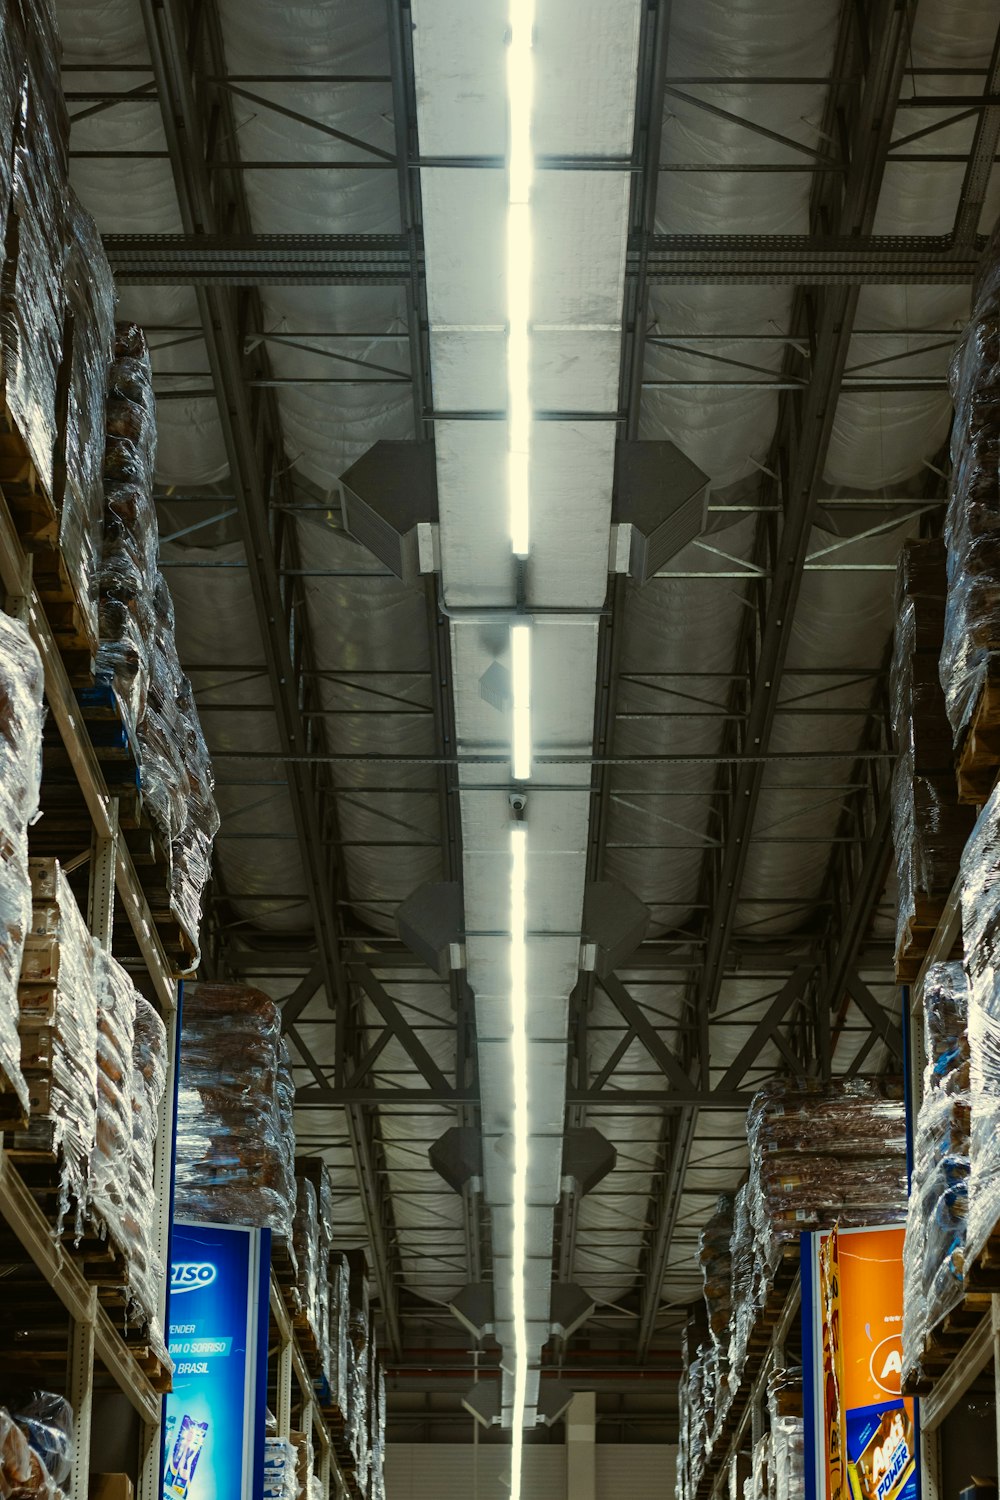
314	1170
58	1024
111	1157
32	301
36	1446
744	1298
716	1260
90	294
306	1244
929	826
981	938
823	1155
234	1164
934	1260
21	715
149	1081
378	1437
972	616
130	542
340	1344
280	1482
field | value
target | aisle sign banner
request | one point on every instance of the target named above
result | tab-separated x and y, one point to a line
861	1433
213	1425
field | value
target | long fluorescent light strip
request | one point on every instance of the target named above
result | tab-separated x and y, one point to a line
520	660
520	171
519	1069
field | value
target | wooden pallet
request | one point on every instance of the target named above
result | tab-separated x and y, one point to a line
984	1273
67	818
918	934
25	491
978	758
946	1339
72	621
13	1115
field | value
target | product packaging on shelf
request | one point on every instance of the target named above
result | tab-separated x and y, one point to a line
337	1372
981	941
33	298
36	1446
930	827
58	1021
972	617
21	717
234	1162
149	1081
90	293
934	1258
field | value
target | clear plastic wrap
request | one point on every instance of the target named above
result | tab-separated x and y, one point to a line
234	1162
314	1170
305	1239
788	1458
744	1300
715	1257
934	1261
33	294
90	295
21	718
110	1160
130	541
972	615
12	59
929	827
377	1485
930	830
357	1424
46	1420
149	1081
981	934
280	1481
58	1023
340	1346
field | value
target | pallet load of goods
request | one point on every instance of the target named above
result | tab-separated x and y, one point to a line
236	1163
820	1155
946	818
77	462
91	698
36	1447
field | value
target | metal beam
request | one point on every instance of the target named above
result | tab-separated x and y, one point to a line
217	260
872	46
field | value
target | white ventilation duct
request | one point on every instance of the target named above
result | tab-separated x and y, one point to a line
585	66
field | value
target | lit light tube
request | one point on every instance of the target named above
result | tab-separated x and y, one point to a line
520	171
519	1069
520	655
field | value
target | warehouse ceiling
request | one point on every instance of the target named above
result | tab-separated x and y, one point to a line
803	196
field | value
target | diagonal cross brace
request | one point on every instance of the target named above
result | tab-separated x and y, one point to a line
646	1032
403	1032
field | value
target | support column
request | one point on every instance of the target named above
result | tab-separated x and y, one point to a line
581	1422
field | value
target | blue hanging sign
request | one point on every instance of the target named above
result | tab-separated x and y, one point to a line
213	1421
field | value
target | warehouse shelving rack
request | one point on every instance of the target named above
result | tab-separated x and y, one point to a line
748	1419
973	1355
292	1372
113	878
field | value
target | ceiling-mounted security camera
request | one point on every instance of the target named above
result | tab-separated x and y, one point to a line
518	801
